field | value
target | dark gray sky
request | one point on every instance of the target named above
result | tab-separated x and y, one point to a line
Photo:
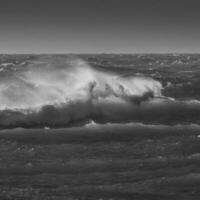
96	26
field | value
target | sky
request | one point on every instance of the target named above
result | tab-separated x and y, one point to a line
99	26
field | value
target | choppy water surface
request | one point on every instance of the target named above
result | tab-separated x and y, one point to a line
99	126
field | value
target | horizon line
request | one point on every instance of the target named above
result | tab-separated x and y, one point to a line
99	53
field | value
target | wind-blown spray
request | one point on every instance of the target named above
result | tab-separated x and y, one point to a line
68	92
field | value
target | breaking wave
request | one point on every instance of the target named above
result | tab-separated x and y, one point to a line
64	93
64	82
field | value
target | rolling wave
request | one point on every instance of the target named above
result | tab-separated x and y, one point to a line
64	93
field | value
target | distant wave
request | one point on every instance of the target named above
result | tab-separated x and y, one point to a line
99	133
63	93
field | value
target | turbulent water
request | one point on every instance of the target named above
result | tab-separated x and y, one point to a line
63	92
100	127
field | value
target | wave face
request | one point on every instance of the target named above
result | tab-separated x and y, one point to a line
68	92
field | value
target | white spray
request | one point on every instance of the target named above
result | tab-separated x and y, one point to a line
67	81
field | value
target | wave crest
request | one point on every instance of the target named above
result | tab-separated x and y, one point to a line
62	93
46	83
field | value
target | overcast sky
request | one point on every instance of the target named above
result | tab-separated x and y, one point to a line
99	26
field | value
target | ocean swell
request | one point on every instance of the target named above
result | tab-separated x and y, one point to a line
63	93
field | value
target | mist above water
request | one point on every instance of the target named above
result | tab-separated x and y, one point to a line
69	92
40	84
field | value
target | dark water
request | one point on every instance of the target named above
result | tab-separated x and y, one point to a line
134	137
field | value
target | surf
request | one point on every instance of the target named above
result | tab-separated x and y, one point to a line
70	92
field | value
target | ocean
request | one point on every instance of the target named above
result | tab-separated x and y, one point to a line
106	126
